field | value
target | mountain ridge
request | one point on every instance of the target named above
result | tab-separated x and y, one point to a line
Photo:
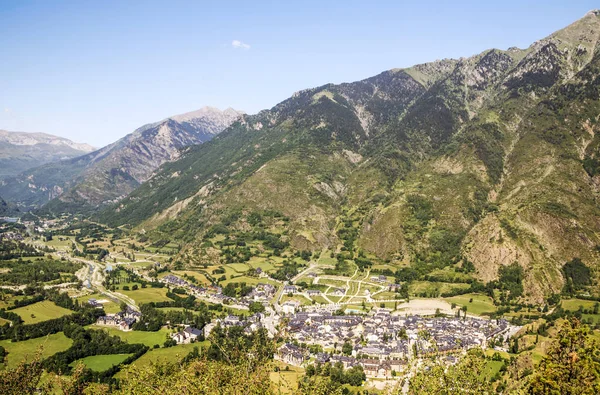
433	165
20	151
111	172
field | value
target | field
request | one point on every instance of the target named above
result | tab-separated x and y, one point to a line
264	265
201	278
248	280
481	303
27	349
132	337
100	363
41	311
170	354
110	307
432	289
146	295
575	304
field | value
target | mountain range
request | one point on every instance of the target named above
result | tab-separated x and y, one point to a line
110	173
485	160
21	151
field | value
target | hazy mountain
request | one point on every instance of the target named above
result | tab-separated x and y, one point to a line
490	159
110	173
20	151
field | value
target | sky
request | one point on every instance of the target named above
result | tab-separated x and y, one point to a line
93	71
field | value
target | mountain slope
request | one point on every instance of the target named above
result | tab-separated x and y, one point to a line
20	151
108	174
491	159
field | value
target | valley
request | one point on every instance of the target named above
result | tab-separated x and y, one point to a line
423	230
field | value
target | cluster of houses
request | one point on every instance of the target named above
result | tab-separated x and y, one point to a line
123	320
382	342
262	292
11	236
250	323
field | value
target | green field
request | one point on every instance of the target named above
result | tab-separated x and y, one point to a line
132	337
258	262
491	369
146	295
201	278
481	303
238	267
298	298
248	280
575	304
19	351
41	311
100	363
170	354
418	288
110	307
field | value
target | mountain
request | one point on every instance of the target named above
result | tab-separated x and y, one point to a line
444	167
20	151
110	173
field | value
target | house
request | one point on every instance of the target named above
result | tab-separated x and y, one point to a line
290	289
123	320
186	336
290	307
338	292
313	292
290	354
126	324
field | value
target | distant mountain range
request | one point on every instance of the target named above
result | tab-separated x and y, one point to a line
20	151
439	169
110	173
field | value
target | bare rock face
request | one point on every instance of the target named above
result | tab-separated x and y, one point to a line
110	173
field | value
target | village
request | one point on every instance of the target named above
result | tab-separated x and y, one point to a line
382	342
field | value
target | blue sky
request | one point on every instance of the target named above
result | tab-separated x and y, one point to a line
94	71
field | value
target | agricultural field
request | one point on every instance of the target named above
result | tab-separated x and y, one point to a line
146	295
100	363
298	298
201	278
238	267
170	354
41	311
481	304
433	289
249	280
27	349
110	307
575	304
132	337
262	263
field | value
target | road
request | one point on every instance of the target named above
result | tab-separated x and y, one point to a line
94	272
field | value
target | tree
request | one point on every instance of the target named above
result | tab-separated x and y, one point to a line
347	348
572	365
256	307
467	377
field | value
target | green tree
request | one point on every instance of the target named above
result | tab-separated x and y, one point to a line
347	348
435	377
572	365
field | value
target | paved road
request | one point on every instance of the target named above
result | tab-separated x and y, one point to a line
94	272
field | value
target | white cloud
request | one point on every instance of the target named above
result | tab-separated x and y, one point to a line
237	44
